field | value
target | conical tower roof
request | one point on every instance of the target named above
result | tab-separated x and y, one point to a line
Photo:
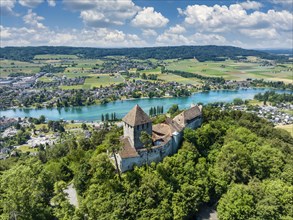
136	116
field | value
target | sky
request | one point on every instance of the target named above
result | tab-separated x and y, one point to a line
266	24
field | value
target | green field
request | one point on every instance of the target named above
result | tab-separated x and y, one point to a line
229	69
54	56
234	70
288	128
25	149
175	78
45	79
97	80
11	66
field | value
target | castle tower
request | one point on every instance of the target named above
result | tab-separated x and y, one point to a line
135	122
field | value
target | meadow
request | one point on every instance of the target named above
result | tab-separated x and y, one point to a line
76	67
54	56
234	70
97	80
11	66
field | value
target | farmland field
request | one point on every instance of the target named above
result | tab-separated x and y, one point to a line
175	78
11	66
54	56
97	80
234	70
77	67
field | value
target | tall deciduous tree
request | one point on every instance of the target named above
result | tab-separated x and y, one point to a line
114	145
147	141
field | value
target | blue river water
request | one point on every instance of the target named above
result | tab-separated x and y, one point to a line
94	112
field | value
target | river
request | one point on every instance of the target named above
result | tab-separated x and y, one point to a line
94	112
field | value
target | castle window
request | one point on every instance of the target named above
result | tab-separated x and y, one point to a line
147	125
143	126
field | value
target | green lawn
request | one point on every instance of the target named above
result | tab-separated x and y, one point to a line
175	78
288	128
97	80
45	79
26	148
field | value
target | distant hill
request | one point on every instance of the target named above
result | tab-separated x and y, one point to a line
202	53
287	52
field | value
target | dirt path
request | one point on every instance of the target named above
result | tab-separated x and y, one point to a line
207	213
72	195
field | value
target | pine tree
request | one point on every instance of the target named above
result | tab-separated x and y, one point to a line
151	111
155	111
103	118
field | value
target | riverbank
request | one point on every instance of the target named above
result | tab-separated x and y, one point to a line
131	99
120	108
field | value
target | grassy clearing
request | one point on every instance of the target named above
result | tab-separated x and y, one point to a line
288	128
255	102
26	148
73	126
288	111
97	80
55	56
151	71
175	78
45	79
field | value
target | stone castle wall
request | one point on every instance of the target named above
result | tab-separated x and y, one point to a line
134	133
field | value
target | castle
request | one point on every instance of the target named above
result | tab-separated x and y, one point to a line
166	137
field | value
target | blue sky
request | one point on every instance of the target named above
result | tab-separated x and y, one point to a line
140	23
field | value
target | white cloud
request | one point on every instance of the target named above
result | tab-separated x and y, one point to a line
237	25
30	3
177	29
101	13
6	7
204	39
168	38
94	37
265	33
283	2
33	19
149	33
234	18
251	5
51	3
149	18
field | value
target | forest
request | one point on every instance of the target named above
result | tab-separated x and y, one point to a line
201	53
235	160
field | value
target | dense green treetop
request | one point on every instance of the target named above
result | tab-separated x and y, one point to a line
201	53
235	160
